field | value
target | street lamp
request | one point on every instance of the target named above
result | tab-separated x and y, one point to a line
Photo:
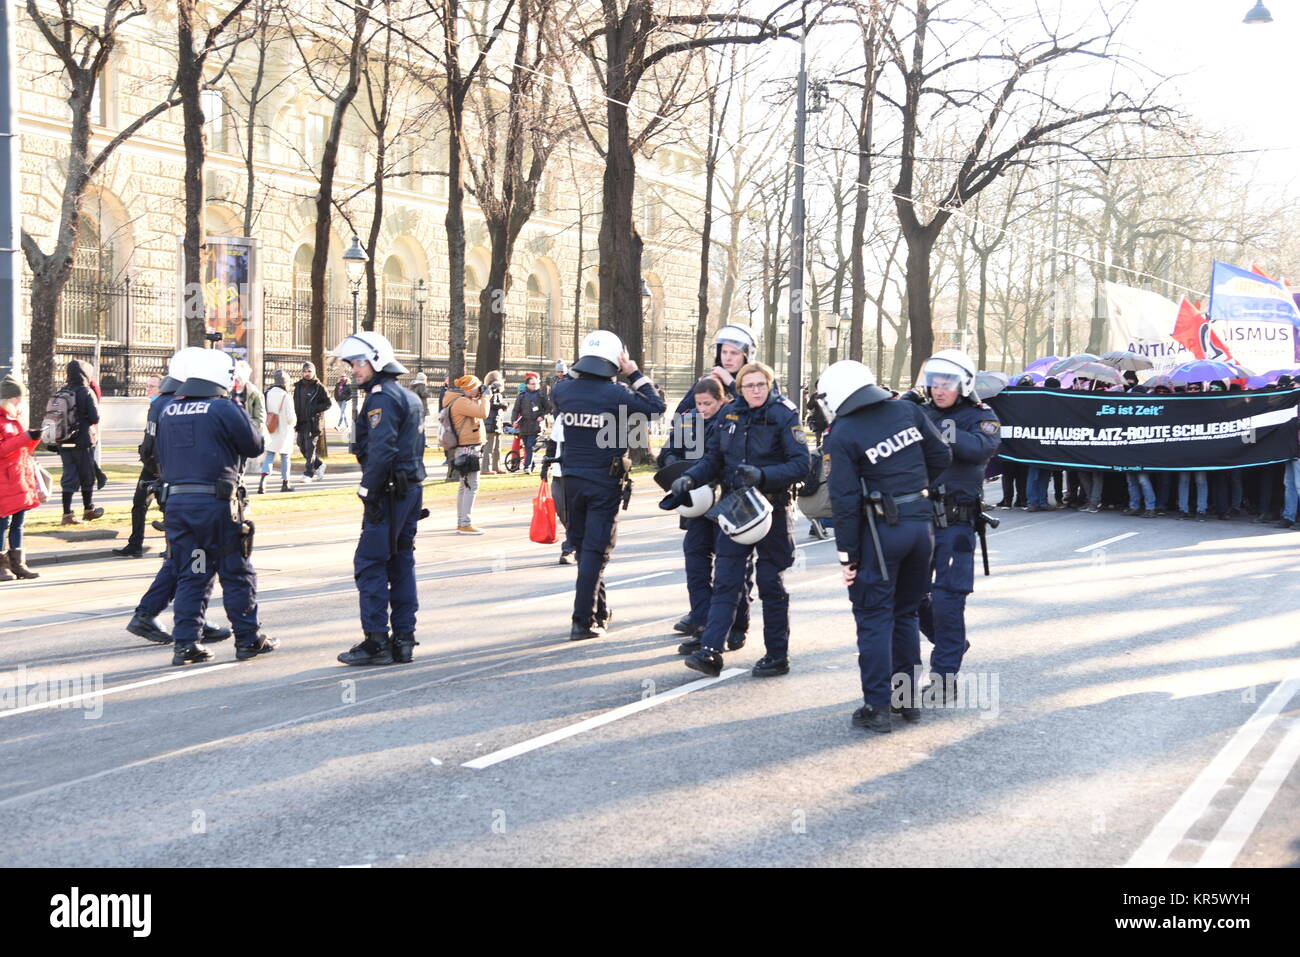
833	336
421	297
354	261
1258	14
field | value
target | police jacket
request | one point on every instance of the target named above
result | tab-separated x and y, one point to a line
201	440
770	437
598	416
149	444
893	448
389	437
973	437
688	400
688	438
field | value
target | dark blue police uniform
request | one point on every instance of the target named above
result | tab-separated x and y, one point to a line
972	432
771	438
892	448
688	440
594	411
389	445
200	443
160	593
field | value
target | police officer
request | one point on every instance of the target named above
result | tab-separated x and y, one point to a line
389	444
163	588
758	445
684	447
881	457
733	346
597	414
972	431
202	436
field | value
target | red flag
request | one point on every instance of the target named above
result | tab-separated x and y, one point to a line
1193	333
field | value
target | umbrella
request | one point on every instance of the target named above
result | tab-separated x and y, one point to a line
1204	370
1067	365
1038	377
1041	365
989	384
1098	372
1157	380
1126	361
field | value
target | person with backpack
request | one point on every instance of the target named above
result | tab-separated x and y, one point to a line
19	489
72	426
466	412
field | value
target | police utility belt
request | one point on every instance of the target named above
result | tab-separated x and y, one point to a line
886	506
219	490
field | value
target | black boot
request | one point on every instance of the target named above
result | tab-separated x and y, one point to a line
261	646
286	487
191	654
261	484
684	627
735	640
769	667
377	649
582	632
871	719
148	628
214	634
403	646
690	646
706	661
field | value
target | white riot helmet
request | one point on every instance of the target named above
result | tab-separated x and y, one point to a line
745	516
702	500
178	368
372	347
600	354
210	373
734	334
950	369
845	386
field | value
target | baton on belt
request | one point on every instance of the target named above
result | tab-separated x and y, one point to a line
876	500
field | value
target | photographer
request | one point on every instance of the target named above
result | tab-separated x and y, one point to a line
468	410
494	389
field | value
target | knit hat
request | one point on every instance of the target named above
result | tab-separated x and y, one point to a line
10	388
467	383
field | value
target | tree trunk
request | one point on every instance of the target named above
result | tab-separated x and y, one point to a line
920	243
981	309
491	308
372	238
189	80
620	244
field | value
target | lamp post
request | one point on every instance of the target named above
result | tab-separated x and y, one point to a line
421	297
646	294
833	320
354	261
795	372
1258	14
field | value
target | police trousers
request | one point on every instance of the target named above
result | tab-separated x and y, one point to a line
592	510
385	575
203	544
943	612
886	612
697	549
772	556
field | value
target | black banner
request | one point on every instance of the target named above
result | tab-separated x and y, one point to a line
1162	433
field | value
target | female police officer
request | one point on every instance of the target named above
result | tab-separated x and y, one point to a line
758	444
882	456
389	444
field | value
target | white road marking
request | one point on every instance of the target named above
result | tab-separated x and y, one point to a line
1106	541
1232	837
541	741
1173	827
72	699
520	602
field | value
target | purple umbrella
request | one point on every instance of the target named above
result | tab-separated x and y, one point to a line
1098	372
1038	377
1268	378
1041	365
1205	370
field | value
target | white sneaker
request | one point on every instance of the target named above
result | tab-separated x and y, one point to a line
320	472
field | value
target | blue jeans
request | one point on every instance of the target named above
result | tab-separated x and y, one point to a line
1202	491
269	460
12	525
1039	480
1291	485
1141	493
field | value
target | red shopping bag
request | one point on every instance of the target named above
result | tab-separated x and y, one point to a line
542	529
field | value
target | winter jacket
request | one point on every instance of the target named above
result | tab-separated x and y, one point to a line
467	418
255	405
281	440
496	406
79	383
309	401
18	489
530	409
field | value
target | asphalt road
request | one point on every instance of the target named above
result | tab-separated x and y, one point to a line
1135	702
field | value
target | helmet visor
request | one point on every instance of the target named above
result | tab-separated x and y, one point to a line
743	509
942	380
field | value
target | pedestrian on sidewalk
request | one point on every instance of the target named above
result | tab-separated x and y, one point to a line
144	484
278	434
77	451
529	411
468	410
310	403
19	490
494	389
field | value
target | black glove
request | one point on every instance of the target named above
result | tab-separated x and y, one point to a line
33	433
374	512
682	485
912	395
750	475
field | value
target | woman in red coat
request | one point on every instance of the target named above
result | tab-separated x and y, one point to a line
18	489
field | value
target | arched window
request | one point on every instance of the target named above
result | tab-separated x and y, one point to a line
652	330
82	308
537	314
302	296
397	300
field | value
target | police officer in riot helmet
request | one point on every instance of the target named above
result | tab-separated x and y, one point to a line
202	436
881	456
973	432
389	445
599	416
733	346
757	452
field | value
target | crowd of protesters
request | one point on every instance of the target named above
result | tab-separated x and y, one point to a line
1265	494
